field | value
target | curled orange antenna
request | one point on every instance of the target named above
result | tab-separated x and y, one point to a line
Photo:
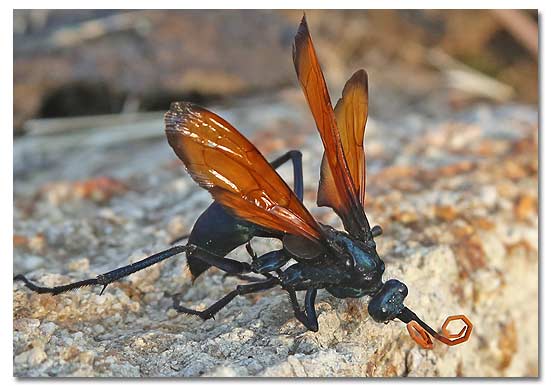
462	336
420	332
419	335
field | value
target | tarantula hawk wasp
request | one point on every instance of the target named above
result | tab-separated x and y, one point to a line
252	200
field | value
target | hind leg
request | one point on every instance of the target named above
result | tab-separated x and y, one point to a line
239	290
106	278
269	262
227	265
230	266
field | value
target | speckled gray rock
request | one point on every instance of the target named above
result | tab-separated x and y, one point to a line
457	198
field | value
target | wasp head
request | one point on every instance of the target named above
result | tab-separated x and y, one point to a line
386	304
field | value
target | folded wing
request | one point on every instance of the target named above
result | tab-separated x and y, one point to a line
224	162
338	187
351	115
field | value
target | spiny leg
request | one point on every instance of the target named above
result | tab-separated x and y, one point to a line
307	317
109	277
239	290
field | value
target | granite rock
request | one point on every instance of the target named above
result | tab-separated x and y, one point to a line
457	198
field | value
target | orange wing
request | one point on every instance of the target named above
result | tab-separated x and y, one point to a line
223	161
344	197
351	115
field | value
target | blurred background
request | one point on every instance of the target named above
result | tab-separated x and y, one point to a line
101	62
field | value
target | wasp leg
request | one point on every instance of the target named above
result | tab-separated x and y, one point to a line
270	262
307	317
258	266
227	265
239	290
250	279
309	306
106	278
296	157
250	250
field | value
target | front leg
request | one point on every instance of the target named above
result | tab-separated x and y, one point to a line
217	306
307	317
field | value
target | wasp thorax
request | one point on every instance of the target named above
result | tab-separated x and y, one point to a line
362	261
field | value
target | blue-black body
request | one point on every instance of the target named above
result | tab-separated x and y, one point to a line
344	266
245	187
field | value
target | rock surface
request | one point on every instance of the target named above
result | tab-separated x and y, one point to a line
457	198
